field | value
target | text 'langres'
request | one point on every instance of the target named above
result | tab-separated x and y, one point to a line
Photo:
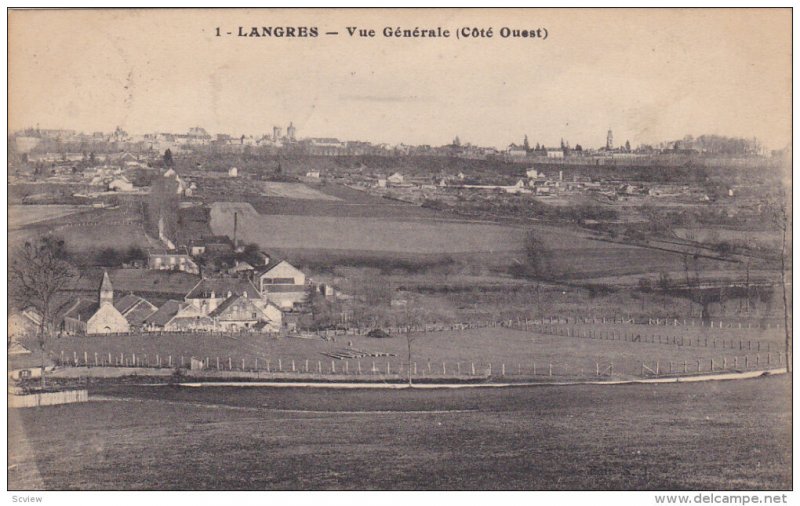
273	31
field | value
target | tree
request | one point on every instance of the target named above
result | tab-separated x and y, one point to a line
538	257
39	272
526	145
412	318
782	220
628	146
168	161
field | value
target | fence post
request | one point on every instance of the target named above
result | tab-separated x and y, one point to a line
95	359
242	364
319	366
415	368
307	365
255	364
503	369
280	365
293	365
473	368
444	369
550	368
597	369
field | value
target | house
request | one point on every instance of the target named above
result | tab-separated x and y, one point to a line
240	312
177	316
555	153
233	172
23	324
214	244
135	309
172	261
241	268
90	318
313	174
395	178
282	284
162	316
209	293
120	184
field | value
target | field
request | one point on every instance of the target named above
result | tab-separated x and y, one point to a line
20	216
733	435
84	229
294	191
491	350
573	254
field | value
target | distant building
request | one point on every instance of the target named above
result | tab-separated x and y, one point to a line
291	131
555	153
395	178
233	172
172	261
120	184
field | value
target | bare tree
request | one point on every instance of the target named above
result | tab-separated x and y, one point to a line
782	220
412	318
39	272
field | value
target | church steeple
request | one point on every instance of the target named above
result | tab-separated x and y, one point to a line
106	290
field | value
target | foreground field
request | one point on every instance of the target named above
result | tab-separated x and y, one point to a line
732	435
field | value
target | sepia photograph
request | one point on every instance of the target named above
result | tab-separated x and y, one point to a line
375	249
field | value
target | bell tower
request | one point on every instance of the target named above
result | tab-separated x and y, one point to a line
106	290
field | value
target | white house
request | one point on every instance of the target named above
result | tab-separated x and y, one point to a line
395	178
120	184
233	172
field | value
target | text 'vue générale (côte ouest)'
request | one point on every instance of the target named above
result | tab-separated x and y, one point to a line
388	32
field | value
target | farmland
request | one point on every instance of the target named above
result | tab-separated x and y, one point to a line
20	216
733	435
575	255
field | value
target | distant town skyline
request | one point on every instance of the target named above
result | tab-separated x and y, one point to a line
669	74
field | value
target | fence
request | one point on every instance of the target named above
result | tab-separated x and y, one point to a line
636	337
429	369
46	398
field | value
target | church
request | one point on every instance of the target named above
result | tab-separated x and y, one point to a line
87	317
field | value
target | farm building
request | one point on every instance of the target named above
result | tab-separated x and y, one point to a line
90	318
135	309
282	284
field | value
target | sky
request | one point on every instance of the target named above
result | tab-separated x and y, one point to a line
650	75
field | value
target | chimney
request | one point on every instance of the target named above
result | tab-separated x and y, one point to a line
235	228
